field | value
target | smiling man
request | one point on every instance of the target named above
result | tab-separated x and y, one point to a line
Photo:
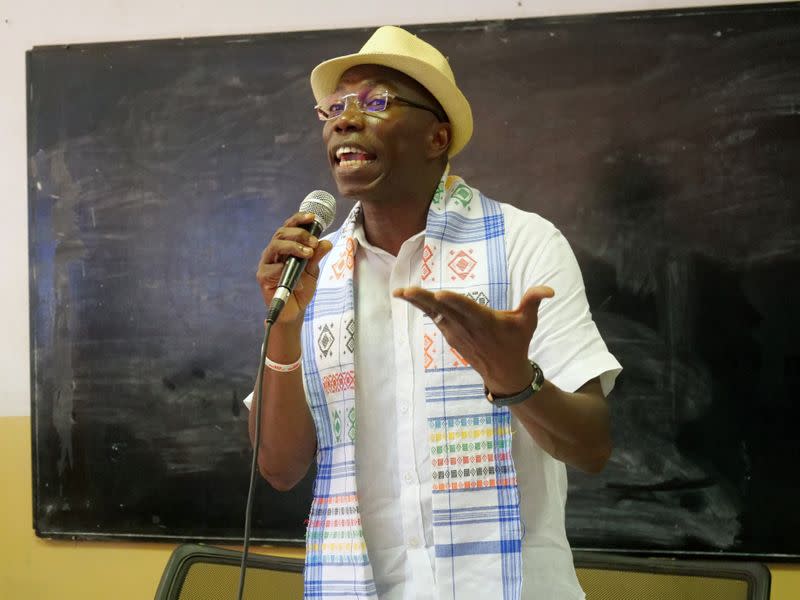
450	365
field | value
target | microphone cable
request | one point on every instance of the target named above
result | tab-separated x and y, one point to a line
248	513
323	206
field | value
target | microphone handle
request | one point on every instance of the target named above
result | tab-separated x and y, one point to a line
292	270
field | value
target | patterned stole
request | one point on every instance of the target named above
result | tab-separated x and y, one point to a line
476	522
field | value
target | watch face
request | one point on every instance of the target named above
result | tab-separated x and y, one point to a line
538	377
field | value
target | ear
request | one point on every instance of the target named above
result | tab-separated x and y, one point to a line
439	140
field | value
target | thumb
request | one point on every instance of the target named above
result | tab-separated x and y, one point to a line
529	305
312	268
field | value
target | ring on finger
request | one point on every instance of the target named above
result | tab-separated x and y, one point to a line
437	318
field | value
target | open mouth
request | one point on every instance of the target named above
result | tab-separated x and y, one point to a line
353	157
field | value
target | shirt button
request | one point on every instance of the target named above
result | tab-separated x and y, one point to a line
408	477
404	408
413	541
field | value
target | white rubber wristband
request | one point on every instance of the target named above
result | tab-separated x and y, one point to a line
283	368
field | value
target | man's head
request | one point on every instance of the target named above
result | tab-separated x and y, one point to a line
399	50
393	115
385	134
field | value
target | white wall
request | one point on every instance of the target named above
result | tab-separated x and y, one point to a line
28	23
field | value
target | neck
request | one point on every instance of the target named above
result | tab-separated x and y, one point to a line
391	220
387	227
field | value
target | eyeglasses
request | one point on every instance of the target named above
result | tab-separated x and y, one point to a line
369	101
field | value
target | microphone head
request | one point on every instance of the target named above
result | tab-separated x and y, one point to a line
322	205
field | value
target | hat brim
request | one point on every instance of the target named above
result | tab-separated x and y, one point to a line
325	77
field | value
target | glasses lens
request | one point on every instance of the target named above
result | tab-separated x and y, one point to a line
374	101
330	107
369	100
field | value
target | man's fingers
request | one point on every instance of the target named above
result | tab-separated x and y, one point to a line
529	305
426	302
420	298
295	234
299	218
454	305
269	274
414	296
461	304
279	250
453	302
537	294
312	268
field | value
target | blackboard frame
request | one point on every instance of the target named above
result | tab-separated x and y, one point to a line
642	182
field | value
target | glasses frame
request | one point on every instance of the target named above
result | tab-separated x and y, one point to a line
356	98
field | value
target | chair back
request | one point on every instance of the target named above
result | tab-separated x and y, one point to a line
198	572
612	577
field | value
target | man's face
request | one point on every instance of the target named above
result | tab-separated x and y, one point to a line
378	153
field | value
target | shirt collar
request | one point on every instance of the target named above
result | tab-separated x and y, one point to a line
360	236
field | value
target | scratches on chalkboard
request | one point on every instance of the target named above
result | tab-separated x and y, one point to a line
665	154
671	485
659	491
236	404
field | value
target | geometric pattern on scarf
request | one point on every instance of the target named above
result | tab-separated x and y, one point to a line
337	565
476	522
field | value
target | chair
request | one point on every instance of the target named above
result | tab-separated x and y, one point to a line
197	572
613	577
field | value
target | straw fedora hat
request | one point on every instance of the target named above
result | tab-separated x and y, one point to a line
398	49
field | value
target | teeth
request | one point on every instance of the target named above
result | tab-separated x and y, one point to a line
348	150
352	164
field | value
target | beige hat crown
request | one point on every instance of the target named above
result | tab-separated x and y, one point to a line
398	49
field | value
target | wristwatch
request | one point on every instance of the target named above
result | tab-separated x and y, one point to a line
535	386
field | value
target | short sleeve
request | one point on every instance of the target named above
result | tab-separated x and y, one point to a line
566	344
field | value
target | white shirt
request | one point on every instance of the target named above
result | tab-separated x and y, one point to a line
393	473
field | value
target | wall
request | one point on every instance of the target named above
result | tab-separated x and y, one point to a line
33	568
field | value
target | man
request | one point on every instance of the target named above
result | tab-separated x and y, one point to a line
431	327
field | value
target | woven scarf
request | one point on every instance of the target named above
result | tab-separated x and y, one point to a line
476	524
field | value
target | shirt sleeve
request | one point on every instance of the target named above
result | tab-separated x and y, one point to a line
566	344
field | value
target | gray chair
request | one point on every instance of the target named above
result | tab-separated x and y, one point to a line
198	572
614	577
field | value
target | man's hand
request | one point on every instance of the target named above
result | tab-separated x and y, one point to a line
571	426
288	438
494	342
291	240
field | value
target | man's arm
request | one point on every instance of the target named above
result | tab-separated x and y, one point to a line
288	438
572	427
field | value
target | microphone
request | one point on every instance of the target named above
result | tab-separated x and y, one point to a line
323	206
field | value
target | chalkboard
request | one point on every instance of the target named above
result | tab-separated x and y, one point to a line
664	145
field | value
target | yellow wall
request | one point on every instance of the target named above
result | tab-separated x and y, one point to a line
35	569
785	582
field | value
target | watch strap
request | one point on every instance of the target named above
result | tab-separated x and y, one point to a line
534	386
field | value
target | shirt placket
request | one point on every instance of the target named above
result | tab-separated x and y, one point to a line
408	443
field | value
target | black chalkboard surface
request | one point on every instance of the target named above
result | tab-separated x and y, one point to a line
665	145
